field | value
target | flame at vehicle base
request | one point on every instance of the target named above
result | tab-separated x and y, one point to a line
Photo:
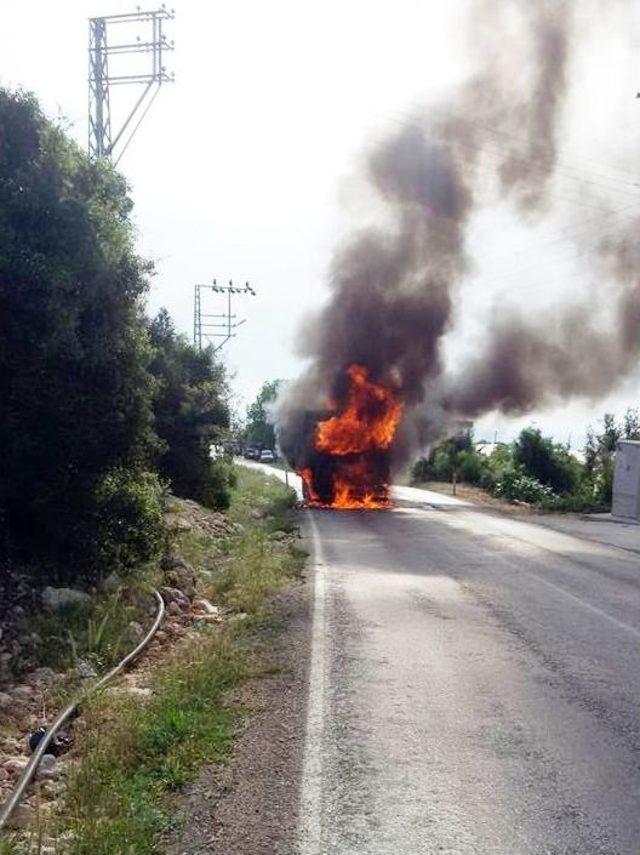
349	466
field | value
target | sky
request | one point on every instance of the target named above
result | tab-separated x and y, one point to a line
244	168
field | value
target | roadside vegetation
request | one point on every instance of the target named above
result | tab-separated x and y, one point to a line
106	416
102	409
135	751
534	469
259	430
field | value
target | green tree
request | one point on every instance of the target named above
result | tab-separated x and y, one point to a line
548	462
453	457
591	449
191	415
610	435
631	428
260	430
75	393
600	457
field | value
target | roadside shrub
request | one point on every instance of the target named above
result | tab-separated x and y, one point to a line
548	463
603	482
130	527
218	481
579	504
471	467
455	455
191	415
515	485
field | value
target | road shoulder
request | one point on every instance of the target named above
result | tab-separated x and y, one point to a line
249	806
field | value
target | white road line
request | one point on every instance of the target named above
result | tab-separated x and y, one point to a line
585	605
558	588
310	824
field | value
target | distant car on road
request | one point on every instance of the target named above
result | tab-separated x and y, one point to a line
267	456
252	454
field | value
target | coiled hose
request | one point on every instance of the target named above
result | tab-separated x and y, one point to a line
16	796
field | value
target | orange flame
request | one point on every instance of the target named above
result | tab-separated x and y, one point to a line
360	432
367	423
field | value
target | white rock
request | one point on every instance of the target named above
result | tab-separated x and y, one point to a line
5	701
111	583
85	670
49	769
147	603
135	633
41	677
22	693
205	606
21	818
58	598
174	595
14	765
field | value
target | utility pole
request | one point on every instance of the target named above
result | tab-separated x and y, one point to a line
222	325
101	142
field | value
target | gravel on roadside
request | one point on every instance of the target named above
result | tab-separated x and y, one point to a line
249	806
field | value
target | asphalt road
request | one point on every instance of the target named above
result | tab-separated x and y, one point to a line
474	687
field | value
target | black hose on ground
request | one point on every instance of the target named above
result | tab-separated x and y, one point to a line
29	771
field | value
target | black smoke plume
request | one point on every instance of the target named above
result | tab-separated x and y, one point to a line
393	287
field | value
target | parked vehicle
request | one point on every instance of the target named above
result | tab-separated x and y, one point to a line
252	454
267	456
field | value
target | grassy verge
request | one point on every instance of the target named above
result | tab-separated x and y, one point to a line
135	754
95	633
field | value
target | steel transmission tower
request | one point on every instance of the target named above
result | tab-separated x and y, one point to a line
222	325
101	141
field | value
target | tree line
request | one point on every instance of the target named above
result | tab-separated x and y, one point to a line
101	408
534	468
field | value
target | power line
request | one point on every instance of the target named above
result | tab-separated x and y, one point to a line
573	170
208	327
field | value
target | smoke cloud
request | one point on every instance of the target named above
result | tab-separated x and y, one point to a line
393	287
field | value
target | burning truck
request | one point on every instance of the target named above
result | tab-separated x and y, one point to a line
345	457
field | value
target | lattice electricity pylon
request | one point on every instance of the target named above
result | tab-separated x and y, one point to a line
207	327
101	143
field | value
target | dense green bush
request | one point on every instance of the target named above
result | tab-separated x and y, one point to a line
471	466
191	415
516	485
454	456
129	519
75	392
546	461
